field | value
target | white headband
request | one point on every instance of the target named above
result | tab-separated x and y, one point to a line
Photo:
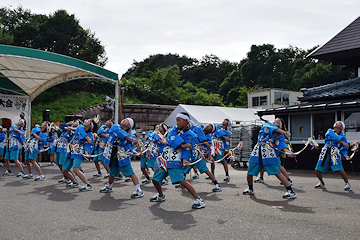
131	122
23	121
342	124
280	125
183	116
213	127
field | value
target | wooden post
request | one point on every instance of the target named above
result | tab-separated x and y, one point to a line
120	105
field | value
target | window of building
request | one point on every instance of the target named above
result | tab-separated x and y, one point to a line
322	122
263	101
281	98
352	125
259	101
277	96
300	127
255	101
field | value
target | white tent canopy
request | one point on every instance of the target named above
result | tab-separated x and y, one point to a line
213	114
28	72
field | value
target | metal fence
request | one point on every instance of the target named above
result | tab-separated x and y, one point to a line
246	132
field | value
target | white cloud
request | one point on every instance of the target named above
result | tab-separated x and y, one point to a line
136	29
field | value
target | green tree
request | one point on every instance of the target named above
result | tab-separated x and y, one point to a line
161	87
59	32
189	94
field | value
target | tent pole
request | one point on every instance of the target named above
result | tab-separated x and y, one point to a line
117	99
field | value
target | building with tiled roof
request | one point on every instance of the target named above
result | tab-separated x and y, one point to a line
322	106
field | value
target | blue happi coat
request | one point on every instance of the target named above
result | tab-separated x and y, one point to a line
78	144
331	149
174	153
267	134
116	135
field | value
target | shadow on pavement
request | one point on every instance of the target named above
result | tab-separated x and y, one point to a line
108	203
55	194
280	187
284	204
349	194
178	220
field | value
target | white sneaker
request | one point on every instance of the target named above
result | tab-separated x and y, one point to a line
290	181
63	180
1	164
107	175
27	176
196	176
259	180
199	203
347	187
320	185
248	191
39	164
289	195
97	175
164	182
128	179
217	188
158	198
137	194
72	185
227	179
145	181
7	173
21	174
106	189
40	178
86	187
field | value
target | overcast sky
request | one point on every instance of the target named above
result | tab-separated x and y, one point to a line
134	29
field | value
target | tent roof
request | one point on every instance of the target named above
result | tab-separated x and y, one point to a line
213	114
29	72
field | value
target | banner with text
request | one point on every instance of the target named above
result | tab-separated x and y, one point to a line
14	103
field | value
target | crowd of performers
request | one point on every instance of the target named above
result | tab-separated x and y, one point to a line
168	152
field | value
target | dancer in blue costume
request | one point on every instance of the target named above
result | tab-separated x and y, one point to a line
61	146
34	146
80	144
12	149
53	136
266	157
222	136
330	156
103	135
176	155
202	149
156	144
117	153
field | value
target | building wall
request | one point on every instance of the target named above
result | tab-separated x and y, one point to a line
271	98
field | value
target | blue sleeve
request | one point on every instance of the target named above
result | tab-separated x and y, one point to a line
219	133
281	143
2	137
331	135
35	130
101	129
81	131
200	134
174	140
118	132
188	137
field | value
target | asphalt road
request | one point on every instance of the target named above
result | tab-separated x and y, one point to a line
47	210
